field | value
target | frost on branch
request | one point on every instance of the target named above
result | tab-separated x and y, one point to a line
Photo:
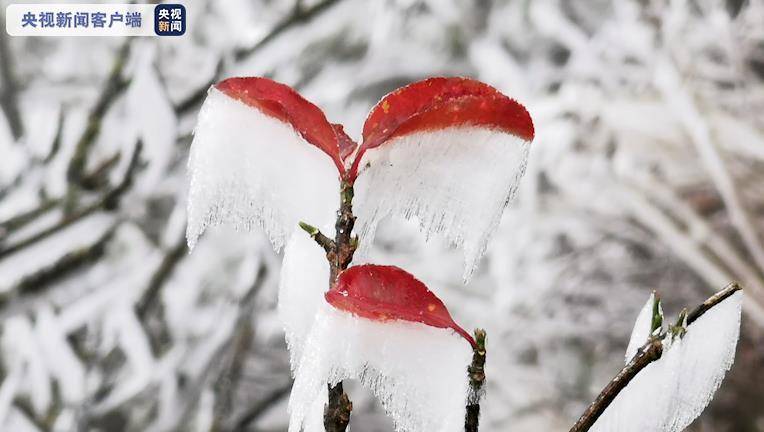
449	152
261	156
418	372
671	392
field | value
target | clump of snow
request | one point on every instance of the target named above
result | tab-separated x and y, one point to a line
672	391
455	181
248	169
418	372
304	279
642	328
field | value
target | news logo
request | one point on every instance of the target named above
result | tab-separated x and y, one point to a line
169	20
95	19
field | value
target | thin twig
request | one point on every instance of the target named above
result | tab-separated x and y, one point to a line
262	406
339	253
108	201
476	373
112	88
9	92
64	266
651	351
149	308
299	15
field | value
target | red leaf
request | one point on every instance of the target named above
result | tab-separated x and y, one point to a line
384	293
438	103
283	103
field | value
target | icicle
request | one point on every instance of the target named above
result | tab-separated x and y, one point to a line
248	169
456	182
418	372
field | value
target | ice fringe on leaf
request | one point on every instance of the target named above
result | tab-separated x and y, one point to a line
454	181
672	391
250	169
304	279
418	372
642	328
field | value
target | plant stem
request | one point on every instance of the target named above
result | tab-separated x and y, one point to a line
651	351
476	372
339	253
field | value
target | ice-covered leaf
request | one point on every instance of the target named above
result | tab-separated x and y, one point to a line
259	158
283	103
384	293
671	392
642	328
447	151
417	372
304	279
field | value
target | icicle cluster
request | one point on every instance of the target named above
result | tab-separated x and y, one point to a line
456	182
248	169
671	392
304	279
418	372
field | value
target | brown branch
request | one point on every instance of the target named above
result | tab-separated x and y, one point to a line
299	15
476	372
651	351
713	301
108	201
339	253
20	220
63	267
114	86
262	406
55	146
149	308
240	344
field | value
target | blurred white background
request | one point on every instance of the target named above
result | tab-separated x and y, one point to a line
647	173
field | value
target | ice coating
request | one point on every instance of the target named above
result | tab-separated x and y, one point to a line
672	391
304	279
642	328
248	169
456	182
418	372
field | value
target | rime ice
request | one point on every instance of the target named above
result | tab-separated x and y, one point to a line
304	279
642	328
248	169
418	372
671	392
455	181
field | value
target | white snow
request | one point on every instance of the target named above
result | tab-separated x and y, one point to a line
248	169
153	118
455	181
672	391
642	328
304	279
419	373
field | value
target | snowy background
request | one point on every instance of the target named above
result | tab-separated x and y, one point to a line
647	172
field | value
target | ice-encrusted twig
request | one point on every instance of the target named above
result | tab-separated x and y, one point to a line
112	88
149	308
651	351
108	201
